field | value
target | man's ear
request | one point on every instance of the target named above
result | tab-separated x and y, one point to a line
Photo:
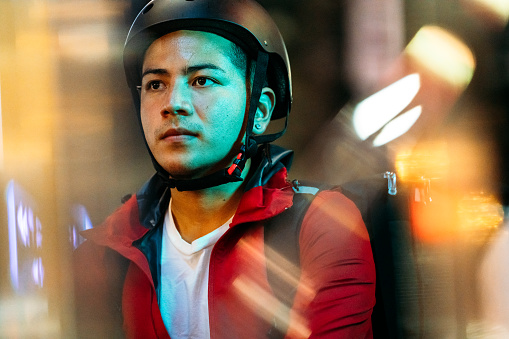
264	112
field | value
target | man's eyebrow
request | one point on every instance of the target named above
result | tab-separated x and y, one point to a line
199	67
154	71
188	70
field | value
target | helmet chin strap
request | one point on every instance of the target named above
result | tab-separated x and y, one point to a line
223	176
232	173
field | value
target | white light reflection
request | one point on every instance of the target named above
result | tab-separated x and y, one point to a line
250	289
94	36
11	222
371	114
443	54
398	126
264	304
1	132
500	8
38	271
82	222
25	241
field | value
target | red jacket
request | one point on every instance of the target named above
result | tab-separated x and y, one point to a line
117	272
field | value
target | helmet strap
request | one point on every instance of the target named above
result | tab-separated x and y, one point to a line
215	179
259	78
266	138
258	83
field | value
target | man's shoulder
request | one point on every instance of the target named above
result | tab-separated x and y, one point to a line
122	226
328	210
324	196
334	200
317	208
127	213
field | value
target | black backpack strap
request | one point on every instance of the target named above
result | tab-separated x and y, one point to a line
282	251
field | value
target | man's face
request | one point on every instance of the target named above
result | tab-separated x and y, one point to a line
193	103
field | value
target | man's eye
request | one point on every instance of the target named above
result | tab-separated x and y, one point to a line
202	81
154	85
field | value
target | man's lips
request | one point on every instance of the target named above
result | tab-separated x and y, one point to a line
177	134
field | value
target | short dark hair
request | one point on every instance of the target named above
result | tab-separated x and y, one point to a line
239	59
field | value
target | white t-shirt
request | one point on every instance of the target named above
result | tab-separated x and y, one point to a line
183	298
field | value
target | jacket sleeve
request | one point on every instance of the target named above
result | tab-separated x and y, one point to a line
336	293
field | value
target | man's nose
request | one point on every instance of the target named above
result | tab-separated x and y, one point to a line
177	99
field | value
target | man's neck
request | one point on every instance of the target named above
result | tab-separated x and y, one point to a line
197	213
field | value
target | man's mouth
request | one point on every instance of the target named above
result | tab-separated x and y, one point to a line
177	134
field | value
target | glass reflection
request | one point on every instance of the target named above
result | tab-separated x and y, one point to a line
25	240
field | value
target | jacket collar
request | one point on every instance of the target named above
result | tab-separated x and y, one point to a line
273	162
267	194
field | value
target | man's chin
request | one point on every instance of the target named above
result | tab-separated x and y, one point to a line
186	173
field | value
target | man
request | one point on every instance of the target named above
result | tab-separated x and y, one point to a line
191	255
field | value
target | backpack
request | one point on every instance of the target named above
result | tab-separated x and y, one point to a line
382	219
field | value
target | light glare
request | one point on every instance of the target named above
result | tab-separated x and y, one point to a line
398	126
1	133
500	8
377	110
443	54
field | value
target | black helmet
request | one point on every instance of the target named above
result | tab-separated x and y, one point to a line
245	23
